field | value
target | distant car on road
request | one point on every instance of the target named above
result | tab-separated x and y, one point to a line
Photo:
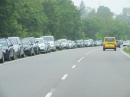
18	46
109	43
8	49
1	55
118	43
126	43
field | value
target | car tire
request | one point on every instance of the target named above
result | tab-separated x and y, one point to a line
8	59
13	57
103	49
115	49
2	59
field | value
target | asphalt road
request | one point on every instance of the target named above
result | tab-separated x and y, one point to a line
82	72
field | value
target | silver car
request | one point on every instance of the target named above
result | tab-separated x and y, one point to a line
1	55
43	46
51	41
18	46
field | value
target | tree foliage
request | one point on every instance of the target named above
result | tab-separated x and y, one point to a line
60	18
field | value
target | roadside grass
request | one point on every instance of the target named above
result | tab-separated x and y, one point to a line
127	50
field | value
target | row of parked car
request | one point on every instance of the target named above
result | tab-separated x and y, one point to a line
14	46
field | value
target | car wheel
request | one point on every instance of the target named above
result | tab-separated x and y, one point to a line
103	49
13	58
23	55
8	59
115	49
32	52
2	60
19	55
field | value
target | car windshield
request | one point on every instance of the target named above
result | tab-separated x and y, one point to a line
13	41
40	40
48	38
25	42
109	39
57	42
3	42
30	39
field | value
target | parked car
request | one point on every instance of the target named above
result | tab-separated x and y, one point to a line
91	42
1	55
118	43
74	44
8	49
51	41
18	46
70	44
85	43
80	43
35	44
43	48
28	47
58	44
88	43
126	43
65	43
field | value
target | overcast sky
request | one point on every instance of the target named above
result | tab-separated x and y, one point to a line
115	6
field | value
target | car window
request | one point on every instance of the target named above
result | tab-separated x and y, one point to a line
13	41
25	42
3	42
109	39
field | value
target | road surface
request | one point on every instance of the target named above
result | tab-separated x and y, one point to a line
81	72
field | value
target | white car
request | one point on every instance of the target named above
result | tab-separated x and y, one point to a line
126	43
1	55
43	48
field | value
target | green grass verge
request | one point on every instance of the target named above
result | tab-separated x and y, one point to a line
127	50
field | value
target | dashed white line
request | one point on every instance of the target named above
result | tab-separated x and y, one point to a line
73	66
48	95
64	77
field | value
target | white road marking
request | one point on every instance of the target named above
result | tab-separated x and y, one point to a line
48	95
64	77
73	66
12	61
125	53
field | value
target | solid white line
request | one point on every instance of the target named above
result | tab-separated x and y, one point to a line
29	57
125	53
48	95
73	66
64	77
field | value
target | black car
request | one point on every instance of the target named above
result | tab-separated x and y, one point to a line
58	44
8	49
34	42
18	46
28	47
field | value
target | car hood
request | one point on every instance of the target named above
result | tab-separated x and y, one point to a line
25	46
5	47
41	44
15	46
